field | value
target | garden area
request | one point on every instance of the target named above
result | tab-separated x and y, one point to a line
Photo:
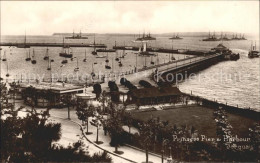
199	117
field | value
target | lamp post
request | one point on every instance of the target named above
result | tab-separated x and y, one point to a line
164	142
61	71
136	62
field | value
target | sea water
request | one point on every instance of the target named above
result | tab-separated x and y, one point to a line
233	82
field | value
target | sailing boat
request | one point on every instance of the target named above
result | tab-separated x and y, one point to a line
107	58
145	62
92	73
28	56
49	65
24	44
152	62
4	57
33	58
66	54
64	61
172	57
253	53
77	68
123	56
120	63
7	74
211	38
100	56
94	52
46	57
117	59
85	60
107	66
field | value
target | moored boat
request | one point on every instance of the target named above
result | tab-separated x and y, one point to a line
253	53
33	58
46	57
77	36
176	37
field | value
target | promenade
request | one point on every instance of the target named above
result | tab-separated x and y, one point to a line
71	132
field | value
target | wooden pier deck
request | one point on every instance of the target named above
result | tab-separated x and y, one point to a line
192	61
195	64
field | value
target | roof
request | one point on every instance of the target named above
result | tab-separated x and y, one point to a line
155	92
55	87
220	47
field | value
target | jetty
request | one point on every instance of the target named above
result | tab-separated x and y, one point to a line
184	68
22	45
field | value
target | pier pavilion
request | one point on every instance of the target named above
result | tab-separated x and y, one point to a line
48	94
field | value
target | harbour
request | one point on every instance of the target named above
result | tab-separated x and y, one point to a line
139	82
130	58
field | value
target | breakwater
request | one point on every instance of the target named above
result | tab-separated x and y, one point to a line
163	50
28	45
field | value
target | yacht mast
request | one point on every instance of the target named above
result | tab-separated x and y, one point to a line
25	38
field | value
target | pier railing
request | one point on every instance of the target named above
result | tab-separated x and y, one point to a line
200	59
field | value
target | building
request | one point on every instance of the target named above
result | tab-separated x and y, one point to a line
44	94
154	95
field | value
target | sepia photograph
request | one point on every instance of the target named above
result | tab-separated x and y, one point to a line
129	81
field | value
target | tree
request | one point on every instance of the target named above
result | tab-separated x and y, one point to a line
254	134
128	119
84	111
24	138
146	135
223	129
114	127
104	100
97	90
97	122
122	81
69	101
30	138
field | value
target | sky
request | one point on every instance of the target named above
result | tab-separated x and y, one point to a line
48	17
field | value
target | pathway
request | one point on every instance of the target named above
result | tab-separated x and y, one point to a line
71	133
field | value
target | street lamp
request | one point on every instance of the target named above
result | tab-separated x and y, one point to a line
61	72
164	142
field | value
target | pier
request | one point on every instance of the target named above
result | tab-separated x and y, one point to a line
184	68
28	45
